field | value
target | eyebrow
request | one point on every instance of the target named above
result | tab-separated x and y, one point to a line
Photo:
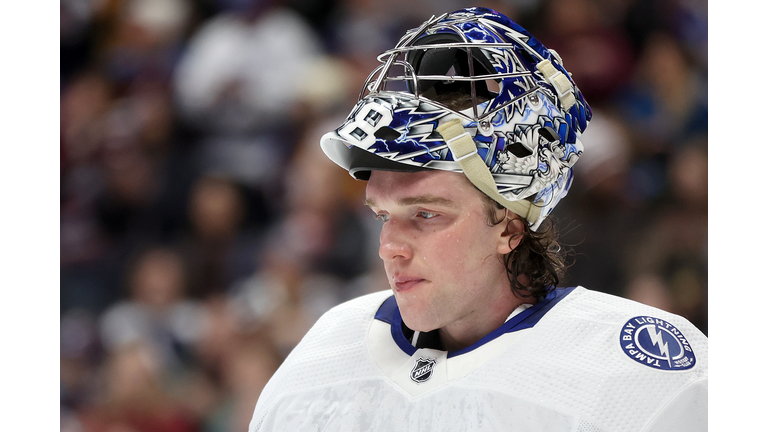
417	200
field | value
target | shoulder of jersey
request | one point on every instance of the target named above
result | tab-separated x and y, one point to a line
344	322
589	304
330	351
648	336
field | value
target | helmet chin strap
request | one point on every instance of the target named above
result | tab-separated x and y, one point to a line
465	154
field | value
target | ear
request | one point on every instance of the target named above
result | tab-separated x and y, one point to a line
512	234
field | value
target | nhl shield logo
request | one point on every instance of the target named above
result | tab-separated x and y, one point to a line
422	370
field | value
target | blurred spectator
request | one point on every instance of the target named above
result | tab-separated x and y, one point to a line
246	370
132	398
242	68
157	314
669	262
311	253
116	124
241	86
219	336
686	20
79	355
129	204
667	101
284	299
665	106
84	102
233	363
219	246
593	48
322	207
142	37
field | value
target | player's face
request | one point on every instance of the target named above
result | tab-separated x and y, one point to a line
441	257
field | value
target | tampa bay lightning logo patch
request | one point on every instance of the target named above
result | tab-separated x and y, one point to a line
655	343
422	370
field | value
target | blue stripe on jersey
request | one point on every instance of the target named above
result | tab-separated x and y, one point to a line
389	313
525	319
387	310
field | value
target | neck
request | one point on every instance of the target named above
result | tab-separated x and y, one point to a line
463	333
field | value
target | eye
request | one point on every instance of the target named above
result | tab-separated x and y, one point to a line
426	214
383	217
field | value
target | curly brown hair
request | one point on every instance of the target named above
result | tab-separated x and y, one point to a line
539	257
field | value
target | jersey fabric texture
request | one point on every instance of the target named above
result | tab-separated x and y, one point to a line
579	360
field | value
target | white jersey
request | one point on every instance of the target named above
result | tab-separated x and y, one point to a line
579	360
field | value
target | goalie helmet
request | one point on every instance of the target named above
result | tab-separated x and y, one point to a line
470	92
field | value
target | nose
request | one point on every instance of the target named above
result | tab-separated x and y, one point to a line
393	242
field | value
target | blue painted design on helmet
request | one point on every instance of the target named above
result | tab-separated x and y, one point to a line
513	95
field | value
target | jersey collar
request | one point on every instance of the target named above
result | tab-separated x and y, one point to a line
389	312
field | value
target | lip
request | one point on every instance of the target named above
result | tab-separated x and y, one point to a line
406	283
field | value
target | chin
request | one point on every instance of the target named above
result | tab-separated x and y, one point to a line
417	308
416	320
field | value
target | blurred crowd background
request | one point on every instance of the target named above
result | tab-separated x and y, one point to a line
203	231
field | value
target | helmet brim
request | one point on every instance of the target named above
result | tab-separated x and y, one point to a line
360	162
